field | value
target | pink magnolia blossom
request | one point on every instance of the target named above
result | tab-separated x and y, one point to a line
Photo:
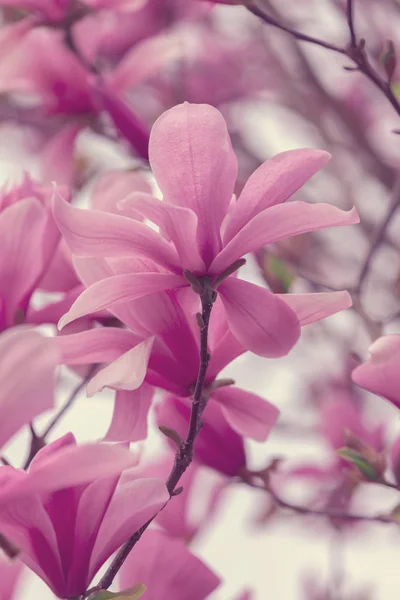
194	165
10	572
380	374
29	238
22	398
168	569
69	513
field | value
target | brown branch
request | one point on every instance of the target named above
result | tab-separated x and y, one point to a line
350	21
8	547
184	455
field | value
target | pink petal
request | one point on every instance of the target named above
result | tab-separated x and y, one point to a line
9	575
113	186
95	233
22	227
381	373
314	307
248	414
279	222
98	345
69	467
119	289
57	159
260	321
272	183
126	372
133	504
179	223
144	60
193	162
129	421
164	563
25	394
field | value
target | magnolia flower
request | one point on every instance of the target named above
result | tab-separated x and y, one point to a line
168	569
380	373
23	396
203	232
69	513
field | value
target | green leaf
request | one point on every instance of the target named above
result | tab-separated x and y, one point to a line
359	461
132	593
281	271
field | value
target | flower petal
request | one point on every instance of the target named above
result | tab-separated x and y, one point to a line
314	307
260	321
113	186
272	183
119	289
129	421
278	222
96	233
179	223
194	165
93	346
127	372
164	563
380	374
133	504
248	414
24	396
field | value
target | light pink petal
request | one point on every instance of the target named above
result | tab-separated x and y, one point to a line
279	222
133	504
57	159
129	421
100	345
113	186
248	414
260	321
178	223
314	307
272	183
119	289
22	226
28	364
96	233
381	373
194	165
145	59
10	572
60	275
165	564
126	372
69	467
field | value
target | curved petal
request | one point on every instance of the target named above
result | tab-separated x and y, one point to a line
113	186
100	345
129	420
164	563
272	183
278	222
259	320
381	373
248	414
194	165
118	289
179	223
24	396
133	504
96	233
314	307
126	372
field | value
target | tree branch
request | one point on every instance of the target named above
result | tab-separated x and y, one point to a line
184	455
350	21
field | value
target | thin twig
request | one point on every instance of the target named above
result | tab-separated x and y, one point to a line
379	236
327	513
350	21
74	394
184	455
297	34
8	547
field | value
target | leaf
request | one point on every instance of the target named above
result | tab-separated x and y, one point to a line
132	593
359	461
281	271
